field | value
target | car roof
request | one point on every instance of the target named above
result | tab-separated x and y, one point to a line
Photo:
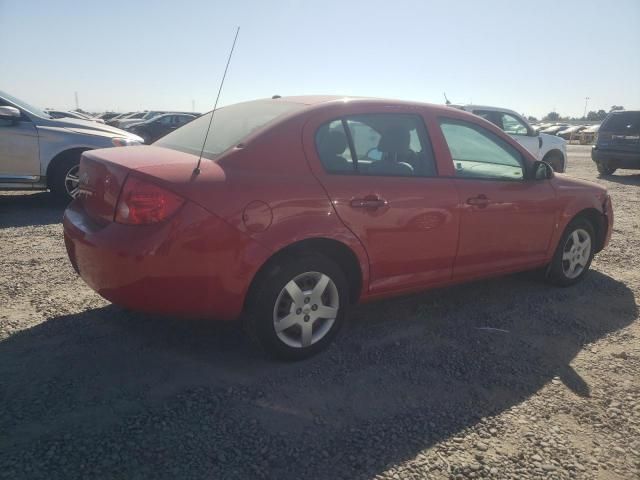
320	101
489	108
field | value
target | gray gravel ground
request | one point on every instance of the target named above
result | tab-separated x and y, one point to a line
411	389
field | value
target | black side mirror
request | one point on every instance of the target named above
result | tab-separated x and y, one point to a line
10	115
542	170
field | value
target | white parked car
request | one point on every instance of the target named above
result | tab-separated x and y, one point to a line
548	148
38	152
71	114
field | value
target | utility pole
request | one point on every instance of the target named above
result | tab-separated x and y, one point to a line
77	104
586	100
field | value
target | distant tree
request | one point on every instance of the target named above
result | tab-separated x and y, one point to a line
532	119
616	107
595	116
551	116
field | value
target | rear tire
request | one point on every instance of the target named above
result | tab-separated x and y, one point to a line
604	169
574	253
291	326
65	178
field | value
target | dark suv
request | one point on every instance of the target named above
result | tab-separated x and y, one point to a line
618	144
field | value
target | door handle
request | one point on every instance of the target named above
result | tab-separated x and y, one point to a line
479	201
370	201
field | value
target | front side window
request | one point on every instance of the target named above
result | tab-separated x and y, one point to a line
8	100
478	153
167	120
381	144
513	125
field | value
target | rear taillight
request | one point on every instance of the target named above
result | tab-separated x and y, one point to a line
142	202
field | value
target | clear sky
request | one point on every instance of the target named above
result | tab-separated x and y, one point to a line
533	56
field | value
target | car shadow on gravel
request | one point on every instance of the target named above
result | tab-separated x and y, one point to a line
108	393
30	209
623	179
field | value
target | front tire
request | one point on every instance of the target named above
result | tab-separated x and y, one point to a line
574	254
556	160
604	168
65	181
298	306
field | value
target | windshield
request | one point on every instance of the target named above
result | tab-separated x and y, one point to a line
23	105
230	125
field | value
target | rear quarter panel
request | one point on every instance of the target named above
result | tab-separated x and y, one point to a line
266	190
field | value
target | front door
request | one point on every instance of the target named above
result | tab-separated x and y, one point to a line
19	151
506	220
380	174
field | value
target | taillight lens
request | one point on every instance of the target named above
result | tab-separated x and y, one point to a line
142	202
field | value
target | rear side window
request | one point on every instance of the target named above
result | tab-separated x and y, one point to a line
490	115
478	153
376	144
623	122
230	125
333	148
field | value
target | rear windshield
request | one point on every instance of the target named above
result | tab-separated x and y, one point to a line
623	122
230	125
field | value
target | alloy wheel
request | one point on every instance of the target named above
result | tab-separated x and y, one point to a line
576	253
306	309
72	181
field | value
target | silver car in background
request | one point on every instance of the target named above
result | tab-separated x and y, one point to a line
38	152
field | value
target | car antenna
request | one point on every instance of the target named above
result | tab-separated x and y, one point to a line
446	100
196	171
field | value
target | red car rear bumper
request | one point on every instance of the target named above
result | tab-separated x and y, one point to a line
193	265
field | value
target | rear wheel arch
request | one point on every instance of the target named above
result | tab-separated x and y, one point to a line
335	250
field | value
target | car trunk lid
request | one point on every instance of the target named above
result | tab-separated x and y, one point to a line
103	173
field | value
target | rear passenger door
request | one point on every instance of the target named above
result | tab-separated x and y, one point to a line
380	173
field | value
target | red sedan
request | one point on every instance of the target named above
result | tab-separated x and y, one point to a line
304	205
